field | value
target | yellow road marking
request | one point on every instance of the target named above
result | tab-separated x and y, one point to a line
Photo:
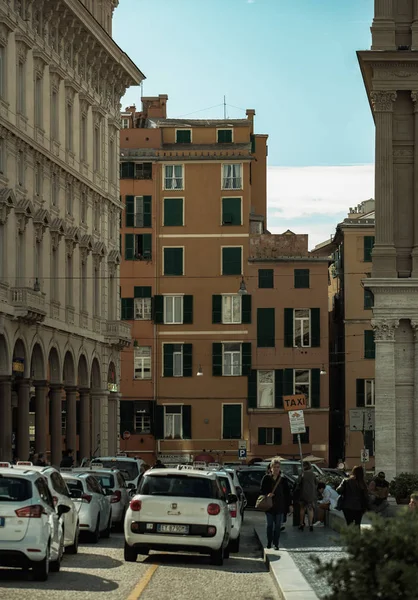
142	585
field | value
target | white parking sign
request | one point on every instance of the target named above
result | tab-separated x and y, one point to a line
242	453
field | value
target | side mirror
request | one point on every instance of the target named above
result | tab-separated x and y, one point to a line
76	494
62	509
231	499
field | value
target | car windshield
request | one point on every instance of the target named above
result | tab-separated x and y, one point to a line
106	480
74	484
14	489
176	485
130	468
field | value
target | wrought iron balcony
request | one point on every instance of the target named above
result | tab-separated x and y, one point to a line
118	333
29	305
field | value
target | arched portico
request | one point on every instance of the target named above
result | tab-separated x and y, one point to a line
21	384
84	405
5	401
38	375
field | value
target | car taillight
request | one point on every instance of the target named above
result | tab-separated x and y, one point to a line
135	505
233	510
31	512
55	499
214	509
116	497
86	498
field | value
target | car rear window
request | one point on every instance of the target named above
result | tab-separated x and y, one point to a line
105	480
74	484
225	485
131	468
176	485
14	489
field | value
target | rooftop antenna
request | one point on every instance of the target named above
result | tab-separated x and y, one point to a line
224	108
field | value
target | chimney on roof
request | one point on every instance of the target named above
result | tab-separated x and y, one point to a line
250	112
154	107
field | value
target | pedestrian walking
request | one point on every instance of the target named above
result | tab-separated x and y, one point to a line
355	497
274	486
308	495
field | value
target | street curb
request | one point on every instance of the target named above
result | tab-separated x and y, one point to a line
290	582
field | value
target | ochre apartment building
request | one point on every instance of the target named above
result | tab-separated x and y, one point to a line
352	358
192	234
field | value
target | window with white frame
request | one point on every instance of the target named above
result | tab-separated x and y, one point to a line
231	359
231	308
232	176
142	362
302	327
369	392
302	383
173	422
178	360
269	436
142	423
125	123
20	88
265	389
142	307
173	310
173	177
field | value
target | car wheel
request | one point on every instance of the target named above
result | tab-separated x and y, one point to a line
55	566
96	533
217	557
41	569
106	532
234	545
130	554
144	550
227	550
73	549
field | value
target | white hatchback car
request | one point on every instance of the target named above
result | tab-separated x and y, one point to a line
61	496
94	511
228	487
31	533
181	509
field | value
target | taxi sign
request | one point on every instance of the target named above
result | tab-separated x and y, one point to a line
5	465
96	465
66	469
24	463
200	464
294	402
214	466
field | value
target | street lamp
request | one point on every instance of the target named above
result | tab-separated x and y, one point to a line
242	287
323	370
199	371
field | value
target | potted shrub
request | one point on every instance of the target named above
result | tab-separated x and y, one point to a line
402	486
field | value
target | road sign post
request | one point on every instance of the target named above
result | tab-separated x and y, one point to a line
294	405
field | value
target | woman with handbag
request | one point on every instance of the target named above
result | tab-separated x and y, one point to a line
276	501
354	497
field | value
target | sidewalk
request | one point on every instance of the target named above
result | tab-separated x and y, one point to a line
291	566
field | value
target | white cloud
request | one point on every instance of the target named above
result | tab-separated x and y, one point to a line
314	199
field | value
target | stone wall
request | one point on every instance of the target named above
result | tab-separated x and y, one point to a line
276	246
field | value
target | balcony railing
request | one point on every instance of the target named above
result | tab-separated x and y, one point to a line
29	305
118	333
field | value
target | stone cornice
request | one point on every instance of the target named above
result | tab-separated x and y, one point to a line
391	286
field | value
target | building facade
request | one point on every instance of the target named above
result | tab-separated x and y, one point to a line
61	81
390	74
352	347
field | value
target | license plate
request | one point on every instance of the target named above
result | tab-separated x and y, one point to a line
2	520
173	528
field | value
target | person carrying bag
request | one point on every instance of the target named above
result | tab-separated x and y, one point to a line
275	500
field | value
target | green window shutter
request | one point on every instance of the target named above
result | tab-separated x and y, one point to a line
130	210
368	242
246	308
224	136
173	261
127	170
288	382
265	278
246	358
252	389
158	306
216	308
183	136
147	202
265	328
231	422
173	212
369	442
360	396
301	277
232	261
369	345
168	351
129	246
187	360
261	436
368	299
277	436
216	359
127	309
187	422
278	388
252	137
147	245
231	211
187	310
315	388
288	327
142	291
315	328
159	422
126	415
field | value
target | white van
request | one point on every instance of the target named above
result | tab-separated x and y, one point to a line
131	468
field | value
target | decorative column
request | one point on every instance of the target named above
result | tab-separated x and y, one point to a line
414	27
41	391
84	439
6	419
385	396
71	430
404	393
383	27
96	442
114	399
414	416
384	252
23	398
99	400
414	96
55	419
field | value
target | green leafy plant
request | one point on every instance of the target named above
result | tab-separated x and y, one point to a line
403	485
380	562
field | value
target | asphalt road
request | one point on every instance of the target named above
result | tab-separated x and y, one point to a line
99	570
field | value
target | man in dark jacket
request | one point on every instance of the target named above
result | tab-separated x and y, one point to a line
68	459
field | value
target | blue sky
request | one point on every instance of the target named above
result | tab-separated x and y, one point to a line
294	62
